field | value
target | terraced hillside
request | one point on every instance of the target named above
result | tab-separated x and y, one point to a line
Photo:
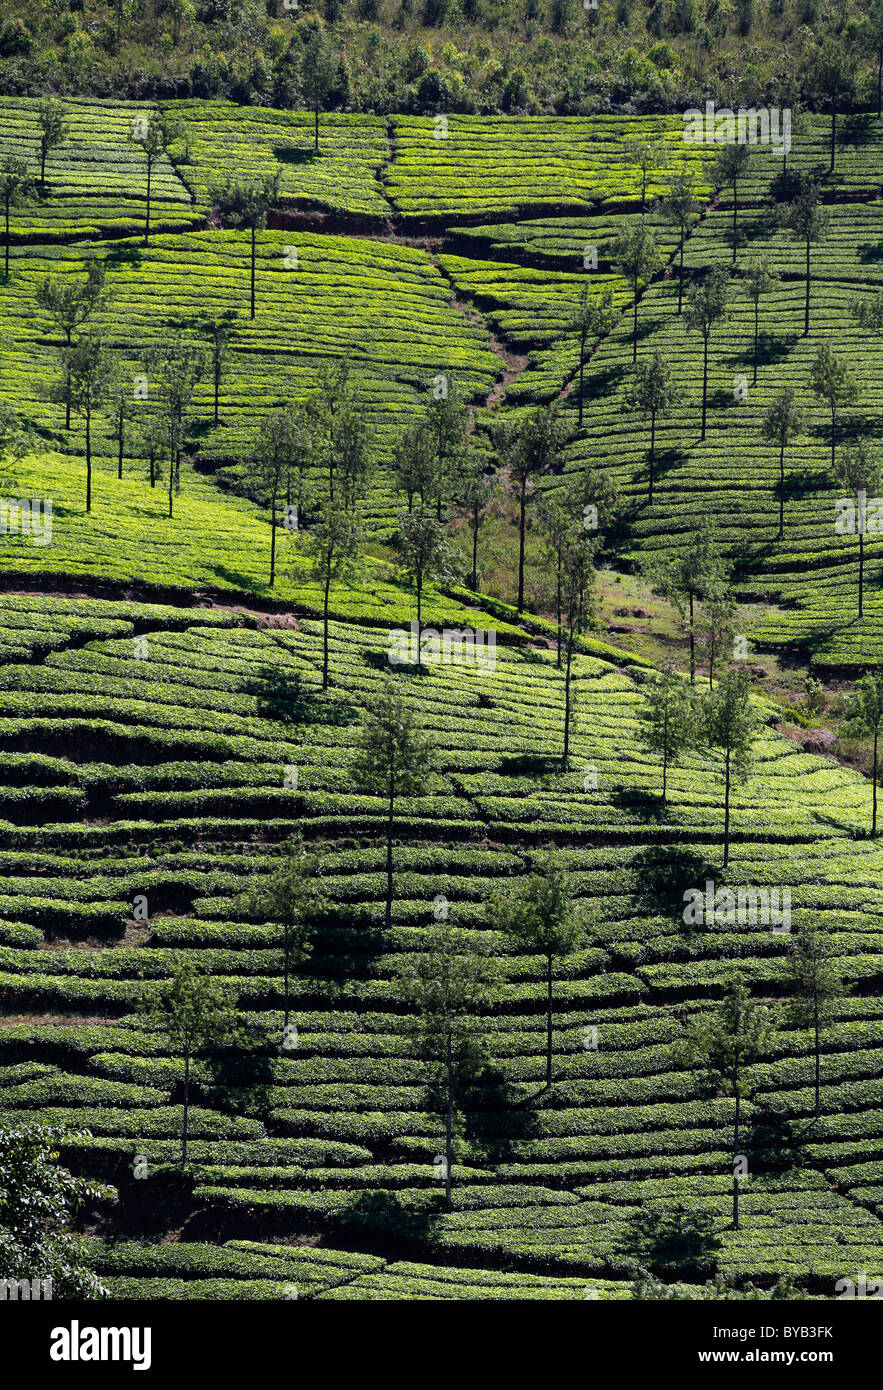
171	720
162	778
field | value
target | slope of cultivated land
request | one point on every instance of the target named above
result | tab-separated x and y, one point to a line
148	737
243	1269
382	307
164	776
215	543
533	310
858	163
515	164
220	140
96	180
733	473
560	242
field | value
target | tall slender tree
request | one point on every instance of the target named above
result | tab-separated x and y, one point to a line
332	546
653	392
87	370
578	586
247	205
593	319
449	987
731	165
759	281
529	450
16	186
647	155
53	127
537	913
706	306
219	334
70	303
834	382
725	1044
393	758
423	544
730	724
860	470
668	719
807	220
688	577
636	255
831	78
154	133
291	895
817	984
680	206
783	422
275	456
176	366
318	70
478	491
195	1013
864	712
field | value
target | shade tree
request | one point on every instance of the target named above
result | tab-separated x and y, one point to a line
393	758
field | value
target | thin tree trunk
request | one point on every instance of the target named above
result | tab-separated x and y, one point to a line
566	754
861	571
253	253
781	489
449	1127
273	539
806	307
558	610
635	326
833	134
704	383
325	628
475	550
7	239
217	390
833	438
681	271
816	1023
582	367
549	1021
67	396
727	812
285	967
88	460
186	1109
735	1152
147	218
652	450
756	335
522	505
121	441
389	828
317	125
692	644
874	793
735	220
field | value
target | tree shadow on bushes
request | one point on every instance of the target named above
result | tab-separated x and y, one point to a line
282	696
664	874
674	1240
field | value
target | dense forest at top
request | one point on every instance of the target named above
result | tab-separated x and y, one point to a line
569	57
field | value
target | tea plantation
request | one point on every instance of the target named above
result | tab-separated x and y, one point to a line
184	734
